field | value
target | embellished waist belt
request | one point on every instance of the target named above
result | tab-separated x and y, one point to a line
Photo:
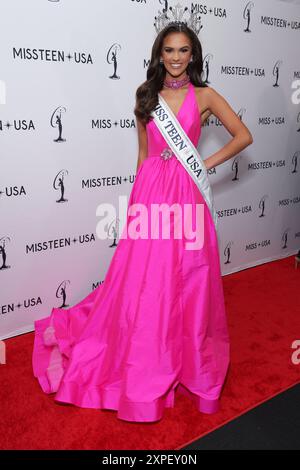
166	154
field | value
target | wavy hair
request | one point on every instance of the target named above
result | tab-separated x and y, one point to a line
147	92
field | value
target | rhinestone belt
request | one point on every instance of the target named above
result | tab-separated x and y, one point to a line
166	153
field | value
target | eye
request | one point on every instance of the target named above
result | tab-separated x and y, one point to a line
168	49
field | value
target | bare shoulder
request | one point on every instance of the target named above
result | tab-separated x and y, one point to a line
210	100
203	95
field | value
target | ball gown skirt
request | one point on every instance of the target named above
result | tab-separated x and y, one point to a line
157	323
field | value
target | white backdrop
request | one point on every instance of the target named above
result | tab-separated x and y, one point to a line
68	138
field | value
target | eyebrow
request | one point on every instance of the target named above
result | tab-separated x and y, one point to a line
179	47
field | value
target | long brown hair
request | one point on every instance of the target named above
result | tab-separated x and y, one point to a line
147	92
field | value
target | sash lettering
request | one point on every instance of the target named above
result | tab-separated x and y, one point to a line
184	150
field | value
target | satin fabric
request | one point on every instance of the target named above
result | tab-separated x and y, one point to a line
157	323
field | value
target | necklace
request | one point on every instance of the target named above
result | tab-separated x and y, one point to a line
176	83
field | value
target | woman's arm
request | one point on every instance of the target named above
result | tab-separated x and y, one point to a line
143	144
204	116
241	136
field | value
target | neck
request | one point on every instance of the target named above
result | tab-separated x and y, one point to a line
175	84
169	77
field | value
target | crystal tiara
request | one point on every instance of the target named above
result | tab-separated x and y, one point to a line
179	15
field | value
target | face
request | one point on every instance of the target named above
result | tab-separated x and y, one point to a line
176	53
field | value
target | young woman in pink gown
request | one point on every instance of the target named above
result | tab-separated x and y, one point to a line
157	323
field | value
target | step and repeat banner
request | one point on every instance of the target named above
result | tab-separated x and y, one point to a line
69	70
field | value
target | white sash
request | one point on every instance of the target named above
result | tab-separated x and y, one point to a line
184	150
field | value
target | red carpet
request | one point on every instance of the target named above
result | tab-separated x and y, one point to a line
263	308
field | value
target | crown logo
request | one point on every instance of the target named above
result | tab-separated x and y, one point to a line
176	15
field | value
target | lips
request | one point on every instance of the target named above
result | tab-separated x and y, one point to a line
176	66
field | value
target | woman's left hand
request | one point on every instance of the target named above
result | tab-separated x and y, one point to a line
206	163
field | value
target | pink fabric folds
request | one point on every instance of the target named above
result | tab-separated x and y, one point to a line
157	323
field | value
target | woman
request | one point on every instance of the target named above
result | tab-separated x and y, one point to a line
157	324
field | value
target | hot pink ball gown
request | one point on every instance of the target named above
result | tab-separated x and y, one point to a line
157	324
